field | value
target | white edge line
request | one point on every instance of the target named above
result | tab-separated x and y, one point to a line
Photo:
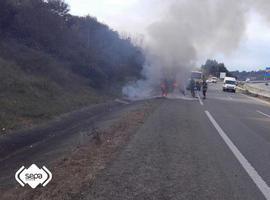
121	101
253	174
263	113
199	97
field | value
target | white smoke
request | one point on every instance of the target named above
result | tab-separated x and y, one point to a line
188	30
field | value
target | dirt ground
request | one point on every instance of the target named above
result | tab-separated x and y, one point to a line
74	173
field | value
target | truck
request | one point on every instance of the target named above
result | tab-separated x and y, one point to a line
229	84
198	78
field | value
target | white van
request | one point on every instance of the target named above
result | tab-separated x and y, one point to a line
229	84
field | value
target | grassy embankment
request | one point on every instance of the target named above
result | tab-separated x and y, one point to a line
46	89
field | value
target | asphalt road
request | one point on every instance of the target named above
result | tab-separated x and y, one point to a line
218	148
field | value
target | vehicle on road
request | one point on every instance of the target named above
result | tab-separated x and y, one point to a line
197	76
247	80
212	80
229	84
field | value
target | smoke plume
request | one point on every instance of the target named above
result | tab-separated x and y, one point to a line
188	30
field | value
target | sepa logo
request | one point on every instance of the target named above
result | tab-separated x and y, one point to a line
33	176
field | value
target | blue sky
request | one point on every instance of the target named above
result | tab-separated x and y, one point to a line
133	17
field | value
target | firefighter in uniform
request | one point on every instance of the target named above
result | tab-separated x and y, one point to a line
204	88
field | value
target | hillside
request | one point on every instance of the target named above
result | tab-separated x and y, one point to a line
52	62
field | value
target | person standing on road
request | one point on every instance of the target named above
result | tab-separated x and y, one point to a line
192	87
204	89
164	88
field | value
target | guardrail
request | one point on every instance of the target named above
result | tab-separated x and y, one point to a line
255	91
260	81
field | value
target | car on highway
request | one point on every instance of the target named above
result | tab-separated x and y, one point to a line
229	84
212	80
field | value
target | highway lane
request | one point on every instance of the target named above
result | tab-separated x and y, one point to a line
182	153
240	114
190	149
246	121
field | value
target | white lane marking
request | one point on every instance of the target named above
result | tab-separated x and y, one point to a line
263	113
253	174
199	97
121	101
230	97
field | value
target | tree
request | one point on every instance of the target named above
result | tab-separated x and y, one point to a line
59	7
212	67
7	13
89	48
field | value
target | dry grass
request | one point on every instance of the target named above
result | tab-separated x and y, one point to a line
73	175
